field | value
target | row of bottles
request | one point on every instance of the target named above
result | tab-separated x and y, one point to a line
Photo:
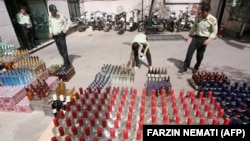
34	63
53	69
200	78
235	99
157	74
97	115
7	49
119	73
38	91
20	76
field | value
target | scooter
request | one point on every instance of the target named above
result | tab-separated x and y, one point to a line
82	22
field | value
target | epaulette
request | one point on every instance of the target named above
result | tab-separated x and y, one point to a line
212	19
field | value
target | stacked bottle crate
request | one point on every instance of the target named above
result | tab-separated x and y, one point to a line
157	78
21	72
234	97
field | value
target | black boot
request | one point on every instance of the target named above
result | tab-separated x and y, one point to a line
183	69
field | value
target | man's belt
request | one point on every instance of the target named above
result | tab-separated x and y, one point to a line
202	37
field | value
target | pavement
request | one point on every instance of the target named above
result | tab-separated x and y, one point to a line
90	50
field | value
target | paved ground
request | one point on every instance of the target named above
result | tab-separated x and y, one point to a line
89	51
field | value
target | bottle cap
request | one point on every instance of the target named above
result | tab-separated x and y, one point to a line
128	124
195	106
203	101
175	112
92	121
125	134
74	129
181	93
54	139
198	113
81	138
68	138
192	100
189	120
112	133
77	95
185	105
54	97
99	131
212	100
153	119
217	106
67	98
202	121
215	121
80	121
55	121
139	135
165	117
187	112
221	113
201	94
61	114
177	119
68	121
210	114
207	107
210	94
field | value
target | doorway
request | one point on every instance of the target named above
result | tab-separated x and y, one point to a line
39	16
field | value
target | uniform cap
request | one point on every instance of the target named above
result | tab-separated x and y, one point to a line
52	8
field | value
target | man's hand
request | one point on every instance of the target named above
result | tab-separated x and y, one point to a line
187	38
64	31
50	35
206	42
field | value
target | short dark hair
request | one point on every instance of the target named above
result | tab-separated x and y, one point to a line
205	7
22	7
135	46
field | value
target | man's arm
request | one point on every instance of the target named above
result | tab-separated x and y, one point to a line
50	29
67	24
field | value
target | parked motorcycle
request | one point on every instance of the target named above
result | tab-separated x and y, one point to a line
133	20
82	22
107	22
171	21
120	22
152	23
98	21
186	21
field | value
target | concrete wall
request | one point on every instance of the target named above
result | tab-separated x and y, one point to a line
116	6
7	32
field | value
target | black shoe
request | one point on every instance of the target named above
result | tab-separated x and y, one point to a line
195	70
182	70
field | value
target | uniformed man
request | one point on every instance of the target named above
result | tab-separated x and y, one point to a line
24	20
58	27
140	41
204	29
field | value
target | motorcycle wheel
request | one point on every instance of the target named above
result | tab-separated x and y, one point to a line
180	28
161	27
121	31
79	28
106	29
141	28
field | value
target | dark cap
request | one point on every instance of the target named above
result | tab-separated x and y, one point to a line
52	8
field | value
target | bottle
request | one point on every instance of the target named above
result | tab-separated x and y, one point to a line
29	93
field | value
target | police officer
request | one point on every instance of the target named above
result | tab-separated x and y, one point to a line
58	27
140	41
204	29
24	20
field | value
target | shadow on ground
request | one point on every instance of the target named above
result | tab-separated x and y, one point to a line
177	63
73	57
235	43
